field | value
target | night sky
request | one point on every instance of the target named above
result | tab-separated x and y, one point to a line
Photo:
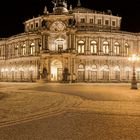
13	13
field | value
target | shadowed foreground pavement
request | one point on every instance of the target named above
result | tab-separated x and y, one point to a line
84	112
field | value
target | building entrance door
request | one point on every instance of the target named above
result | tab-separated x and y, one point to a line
81	76
56	70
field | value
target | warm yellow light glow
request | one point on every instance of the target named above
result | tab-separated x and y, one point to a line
20	69
54	70
6	70
32	44
53	73
2	70
133	58
12	69
31	68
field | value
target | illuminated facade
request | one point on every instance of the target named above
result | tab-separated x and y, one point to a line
78	44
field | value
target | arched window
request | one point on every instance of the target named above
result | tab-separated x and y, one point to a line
16	50
127	72
23	49
32	48
81	73
81	67
81	46
94	68
59	45
117	48
117	72
105	72
105	47
126	49
93	47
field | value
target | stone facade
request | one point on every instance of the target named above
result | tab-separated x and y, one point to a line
77	45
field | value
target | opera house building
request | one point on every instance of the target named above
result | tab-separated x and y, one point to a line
70	44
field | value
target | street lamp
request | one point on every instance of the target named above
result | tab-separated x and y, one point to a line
133	59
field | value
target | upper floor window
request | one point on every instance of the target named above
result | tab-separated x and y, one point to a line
93	46
32	26
113	23
36	25
81	45
16	50
91	20
59	45
24	49
99	21
127	49
32	48
81	67
27	27
82	20
117	48
106	22
105	47
40	46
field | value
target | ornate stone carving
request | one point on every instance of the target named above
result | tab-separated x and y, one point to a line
58	26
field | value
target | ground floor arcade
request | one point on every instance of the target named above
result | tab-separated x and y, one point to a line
68	68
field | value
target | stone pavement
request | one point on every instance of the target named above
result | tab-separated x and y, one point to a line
69	111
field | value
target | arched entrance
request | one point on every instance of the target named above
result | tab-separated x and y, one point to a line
81	73
56	70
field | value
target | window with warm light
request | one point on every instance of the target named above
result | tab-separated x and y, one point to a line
81	66
127	49
93	47
32	48
59	45
24	49
116	48
81	46
105	47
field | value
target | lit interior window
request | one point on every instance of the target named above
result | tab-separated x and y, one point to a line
117	48
105	47
32	48
81	47
93	47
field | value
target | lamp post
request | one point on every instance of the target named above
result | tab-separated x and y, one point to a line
133	59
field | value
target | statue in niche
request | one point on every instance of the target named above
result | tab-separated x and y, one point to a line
44	23
72	22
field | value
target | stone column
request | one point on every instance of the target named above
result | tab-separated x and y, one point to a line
99	46
45	42
72	41
68	41
36	47
111	47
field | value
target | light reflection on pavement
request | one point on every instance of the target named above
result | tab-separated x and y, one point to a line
69	112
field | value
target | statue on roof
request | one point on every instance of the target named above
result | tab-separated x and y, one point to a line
79	3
